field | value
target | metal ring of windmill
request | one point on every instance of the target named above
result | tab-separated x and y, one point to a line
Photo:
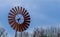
19	19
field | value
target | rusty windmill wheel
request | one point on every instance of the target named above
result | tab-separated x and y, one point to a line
19	19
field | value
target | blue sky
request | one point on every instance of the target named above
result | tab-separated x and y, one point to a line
43	13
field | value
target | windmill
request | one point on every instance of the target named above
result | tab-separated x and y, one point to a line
19	19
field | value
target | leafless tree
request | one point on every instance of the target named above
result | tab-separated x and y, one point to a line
3	33
2	30
34	34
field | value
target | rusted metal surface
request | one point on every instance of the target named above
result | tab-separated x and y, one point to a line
12	21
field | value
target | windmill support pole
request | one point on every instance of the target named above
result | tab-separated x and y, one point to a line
21	34
16	34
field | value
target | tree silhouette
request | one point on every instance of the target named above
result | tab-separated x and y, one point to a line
3	33
2	30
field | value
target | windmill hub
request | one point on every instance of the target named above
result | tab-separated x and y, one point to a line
19	18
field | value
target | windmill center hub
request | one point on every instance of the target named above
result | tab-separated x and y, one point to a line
19	18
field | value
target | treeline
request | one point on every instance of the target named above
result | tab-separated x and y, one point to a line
38	32
43	32
3	33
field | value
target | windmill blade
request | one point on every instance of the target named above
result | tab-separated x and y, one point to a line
12	12
10	22
17	27
10	17
27	18
26	14
15	8
24	27
14	27
18	8
28	21
20	28
23	9
27	24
